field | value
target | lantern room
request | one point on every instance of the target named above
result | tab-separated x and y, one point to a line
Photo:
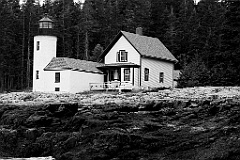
45	26
45	23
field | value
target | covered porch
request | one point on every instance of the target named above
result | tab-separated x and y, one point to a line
118	76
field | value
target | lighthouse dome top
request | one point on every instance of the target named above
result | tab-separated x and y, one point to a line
45	19
45	22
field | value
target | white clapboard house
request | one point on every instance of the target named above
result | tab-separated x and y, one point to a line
130	61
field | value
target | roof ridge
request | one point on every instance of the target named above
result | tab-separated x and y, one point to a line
76	59
149	46
73	64
139	35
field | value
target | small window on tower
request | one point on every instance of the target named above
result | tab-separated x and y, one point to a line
38	45
37	74
57	77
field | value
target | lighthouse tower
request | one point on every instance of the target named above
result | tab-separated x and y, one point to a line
45	47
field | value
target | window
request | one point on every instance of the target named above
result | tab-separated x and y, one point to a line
57	77
146	74
57	89
127	74
37	74
38	45
161	77
122	56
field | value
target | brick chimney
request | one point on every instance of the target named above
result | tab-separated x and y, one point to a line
139	31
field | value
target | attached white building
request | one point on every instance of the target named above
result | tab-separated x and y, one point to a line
130	61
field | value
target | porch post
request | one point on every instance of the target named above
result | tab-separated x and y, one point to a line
115	77
133	76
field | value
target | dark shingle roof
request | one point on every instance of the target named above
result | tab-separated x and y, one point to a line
149	47
146	46
64	63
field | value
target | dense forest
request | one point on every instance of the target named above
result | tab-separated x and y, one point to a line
204	37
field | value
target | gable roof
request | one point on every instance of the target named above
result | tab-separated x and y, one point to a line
146	46
64	63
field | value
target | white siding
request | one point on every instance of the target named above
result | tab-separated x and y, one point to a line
70	81
41	57
122	44
155	67
79	81
46	81
64	84
136	77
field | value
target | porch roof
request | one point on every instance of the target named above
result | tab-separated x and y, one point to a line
118	65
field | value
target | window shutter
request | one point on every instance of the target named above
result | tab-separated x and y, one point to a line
117	57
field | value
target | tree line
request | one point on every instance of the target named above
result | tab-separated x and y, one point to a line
204	37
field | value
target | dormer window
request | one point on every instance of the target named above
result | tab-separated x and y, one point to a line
122	56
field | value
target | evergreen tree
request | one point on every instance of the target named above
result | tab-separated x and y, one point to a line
31	12
204	37
230	41
195	73
10	45
96	52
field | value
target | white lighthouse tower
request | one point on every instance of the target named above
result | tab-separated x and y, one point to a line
45	47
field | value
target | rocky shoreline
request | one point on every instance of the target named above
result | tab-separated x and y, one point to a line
185	124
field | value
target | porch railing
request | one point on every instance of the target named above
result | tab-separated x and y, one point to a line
110	86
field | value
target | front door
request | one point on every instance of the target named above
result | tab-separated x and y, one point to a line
115	75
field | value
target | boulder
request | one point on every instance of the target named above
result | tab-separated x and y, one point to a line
33	133
39	119
62	109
